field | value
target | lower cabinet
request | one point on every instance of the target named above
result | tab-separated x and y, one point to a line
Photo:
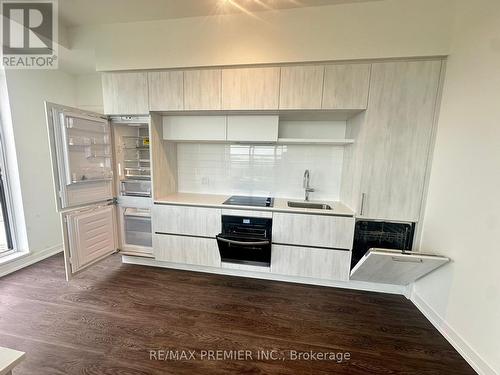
186	250
313	230
311	262
187	220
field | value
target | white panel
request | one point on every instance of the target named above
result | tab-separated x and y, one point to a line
186	250
252	128
313	230
193	221
312	129
194	128
394	267
311	262
91	235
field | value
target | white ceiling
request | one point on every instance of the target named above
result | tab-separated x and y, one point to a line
92	12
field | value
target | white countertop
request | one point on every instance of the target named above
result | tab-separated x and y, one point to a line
9	358
280	204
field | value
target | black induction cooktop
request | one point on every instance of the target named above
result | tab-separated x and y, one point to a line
242	200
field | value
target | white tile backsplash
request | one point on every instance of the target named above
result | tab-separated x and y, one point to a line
275	170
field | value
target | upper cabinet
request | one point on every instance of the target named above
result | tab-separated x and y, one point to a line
125	93
250	88
293	87
346	86
202	89
301	87
166	90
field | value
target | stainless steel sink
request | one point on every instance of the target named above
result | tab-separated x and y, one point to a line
315	206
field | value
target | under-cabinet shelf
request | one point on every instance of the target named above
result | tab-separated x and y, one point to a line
313	141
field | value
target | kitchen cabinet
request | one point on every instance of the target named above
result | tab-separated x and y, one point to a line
202	89
166	90
301	87
346	86
252	128
194	128
396	135
186	250
125	93
313	230
310	262
186	220
250	88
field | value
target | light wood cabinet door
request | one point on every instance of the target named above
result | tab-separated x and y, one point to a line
125	93
202	89
346	86
186	220
310	262
301	87
250	88
397	137
186	250
166	91
313	230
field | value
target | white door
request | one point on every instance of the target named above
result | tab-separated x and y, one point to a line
82	164
394	266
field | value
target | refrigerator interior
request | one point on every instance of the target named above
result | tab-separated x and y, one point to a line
88	151
133	179
133	159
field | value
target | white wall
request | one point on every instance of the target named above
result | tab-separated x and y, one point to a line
89	92
462	218
27	90
390	28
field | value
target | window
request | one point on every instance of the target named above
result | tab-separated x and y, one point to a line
6	245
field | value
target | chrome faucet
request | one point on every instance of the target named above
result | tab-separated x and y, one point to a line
305	184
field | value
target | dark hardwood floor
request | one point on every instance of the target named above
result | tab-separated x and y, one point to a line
107	319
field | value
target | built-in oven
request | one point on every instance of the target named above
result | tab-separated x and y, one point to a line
245	240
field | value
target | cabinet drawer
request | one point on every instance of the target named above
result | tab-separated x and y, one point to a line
191	221
313	230
186	250
311	262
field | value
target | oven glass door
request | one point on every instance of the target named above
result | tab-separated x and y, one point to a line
253	251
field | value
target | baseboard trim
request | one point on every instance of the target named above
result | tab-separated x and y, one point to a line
29	259
357	285
453	337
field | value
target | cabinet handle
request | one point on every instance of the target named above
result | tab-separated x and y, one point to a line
362	209
407	260
242	243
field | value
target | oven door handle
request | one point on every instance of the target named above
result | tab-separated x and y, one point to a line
242	243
